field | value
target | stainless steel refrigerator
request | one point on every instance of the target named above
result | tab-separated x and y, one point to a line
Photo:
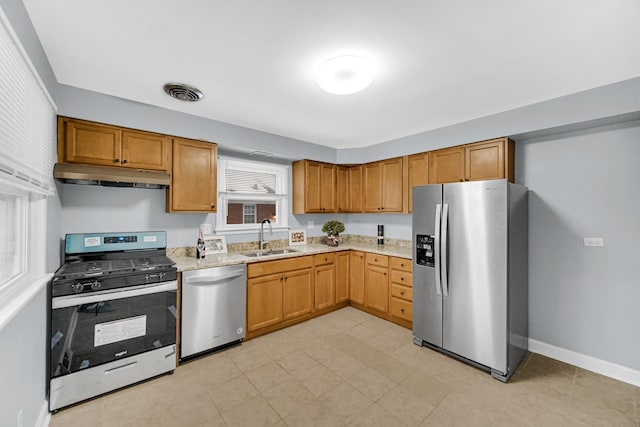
470	272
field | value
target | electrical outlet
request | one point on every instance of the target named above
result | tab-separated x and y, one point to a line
205	228
311	225
594	241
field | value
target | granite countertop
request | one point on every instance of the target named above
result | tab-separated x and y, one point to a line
185	263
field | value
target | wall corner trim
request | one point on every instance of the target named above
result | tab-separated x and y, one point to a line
599	366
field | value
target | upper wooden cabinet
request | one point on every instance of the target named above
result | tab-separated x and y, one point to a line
98	144
418	174
314	187
384	186
349	188
491	159
194	177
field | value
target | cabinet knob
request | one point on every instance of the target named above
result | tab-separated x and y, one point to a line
402	310
461	180
401	265
402	279
326	259
213	206
401	292
124	162
116	161
466	179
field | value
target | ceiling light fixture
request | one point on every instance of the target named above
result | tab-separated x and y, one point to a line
344	75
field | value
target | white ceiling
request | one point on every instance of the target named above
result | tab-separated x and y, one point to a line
436	62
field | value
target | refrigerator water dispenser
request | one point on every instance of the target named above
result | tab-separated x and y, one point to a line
424	250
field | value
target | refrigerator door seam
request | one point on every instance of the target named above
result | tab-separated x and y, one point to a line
443	249
436	249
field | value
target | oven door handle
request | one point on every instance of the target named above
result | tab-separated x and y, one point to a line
133	291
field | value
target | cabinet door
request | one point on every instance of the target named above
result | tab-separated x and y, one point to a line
312	196
355	189
372	173
446	165
143	150
297	297
264	301
342	188
376	286
327	187
92	144
418	173
342	276
325	286
356	277
392	185
484	161
193	181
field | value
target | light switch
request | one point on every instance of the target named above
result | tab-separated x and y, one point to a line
311	225
593	241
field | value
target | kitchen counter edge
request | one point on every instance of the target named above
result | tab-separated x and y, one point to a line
186	263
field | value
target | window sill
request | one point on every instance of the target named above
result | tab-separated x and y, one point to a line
16	295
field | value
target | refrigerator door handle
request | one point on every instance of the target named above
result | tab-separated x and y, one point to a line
436	249
443	249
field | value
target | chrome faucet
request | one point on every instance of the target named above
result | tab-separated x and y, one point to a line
262	240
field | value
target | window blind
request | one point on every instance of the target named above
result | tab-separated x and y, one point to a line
27	118
249	182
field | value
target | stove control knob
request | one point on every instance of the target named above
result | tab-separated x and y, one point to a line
96	285
77	287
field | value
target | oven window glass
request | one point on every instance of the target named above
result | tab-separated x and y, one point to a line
88	335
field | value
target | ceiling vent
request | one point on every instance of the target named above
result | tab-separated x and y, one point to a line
183	92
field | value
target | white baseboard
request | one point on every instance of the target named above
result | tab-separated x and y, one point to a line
618	372
44	416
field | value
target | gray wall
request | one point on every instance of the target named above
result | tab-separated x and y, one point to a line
23	361
585	184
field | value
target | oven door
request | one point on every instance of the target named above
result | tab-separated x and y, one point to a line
96	328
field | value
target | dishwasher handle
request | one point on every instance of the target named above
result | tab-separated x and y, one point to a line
209	280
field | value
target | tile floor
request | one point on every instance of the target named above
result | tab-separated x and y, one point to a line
351	368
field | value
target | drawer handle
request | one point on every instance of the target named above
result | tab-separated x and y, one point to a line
402	279
401	265
401	292
402	310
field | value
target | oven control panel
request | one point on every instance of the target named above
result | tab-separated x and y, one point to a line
83	243
120	239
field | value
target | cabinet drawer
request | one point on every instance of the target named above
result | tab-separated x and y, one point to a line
381	260
401	292
270	267
400	263
401	277
322	259
401	309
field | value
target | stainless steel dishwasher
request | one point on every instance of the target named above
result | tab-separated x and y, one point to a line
214	306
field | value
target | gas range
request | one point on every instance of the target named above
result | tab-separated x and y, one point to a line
103	261
111	314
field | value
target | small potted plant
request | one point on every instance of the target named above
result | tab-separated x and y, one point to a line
333	229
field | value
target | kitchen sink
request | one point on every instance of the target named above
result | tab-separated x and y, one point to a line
260	254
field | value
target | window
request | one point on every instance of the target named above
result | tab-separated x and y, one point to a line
250	192
27	153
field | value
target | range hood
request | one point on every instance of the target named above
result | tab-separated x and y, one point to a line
75	173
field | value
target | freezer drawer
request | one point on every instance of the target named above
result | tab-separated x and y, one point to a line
214	302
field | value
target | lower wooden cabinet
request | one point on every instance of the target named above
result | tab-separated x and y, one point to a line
283	292
342	276
356	277
401	291
297	293
376	282
325	281
264	301
278	291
